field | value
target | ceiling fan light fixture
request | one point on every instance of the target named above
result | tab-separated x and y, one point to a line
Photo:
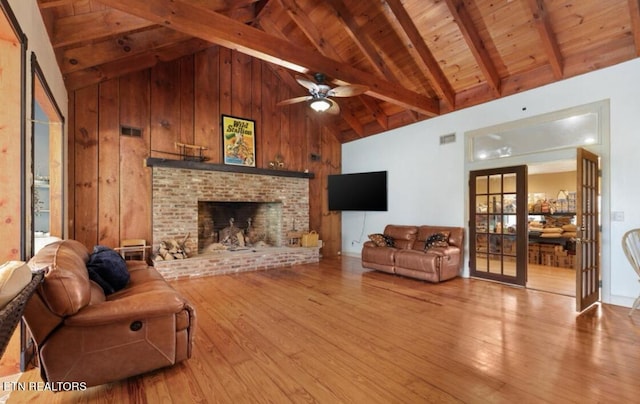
320	104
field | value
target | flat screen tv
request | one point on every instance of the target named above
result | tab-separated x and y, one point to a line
359	191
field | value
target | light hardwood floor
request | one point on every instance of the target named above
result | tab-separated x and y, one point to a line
552	279
334	332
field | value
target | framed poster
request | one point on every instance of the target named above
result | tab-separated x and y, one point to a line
239	141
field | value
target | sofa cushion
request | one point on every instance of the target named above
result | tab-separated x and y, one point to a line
439	239
403	236
108	269
381	240
14	276
456	235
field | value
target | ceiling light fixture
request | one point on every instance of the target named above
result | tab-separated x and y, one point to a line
320	104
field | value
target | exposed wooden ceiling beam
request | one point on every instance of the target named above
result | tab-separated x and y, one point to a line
475	43
402	118
122	46
361	40
541	20
369	51
216	28
284	74
44	4
352	120
634	13
301	19
376	111
347	115
223	5
121	67
437	77
94	26
261	5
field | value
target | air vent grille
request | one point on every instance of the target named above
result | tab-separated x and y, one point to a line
450	138
130	131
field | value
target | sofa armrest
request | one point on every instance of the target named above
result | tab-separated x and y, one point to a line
130	308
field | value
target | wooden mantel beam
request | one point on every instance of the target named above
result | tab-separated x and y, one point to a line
216	28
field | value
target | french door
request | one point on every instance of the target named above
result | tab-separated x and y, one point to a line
498	224
588	240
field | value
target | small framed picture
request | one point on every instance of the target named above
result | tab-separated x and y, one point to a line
239	141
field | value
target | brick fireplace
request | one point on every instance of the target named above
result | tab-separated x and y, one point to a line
177	193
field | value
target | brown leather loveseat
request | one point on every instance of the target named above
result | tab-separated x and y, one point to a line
83	335
430	253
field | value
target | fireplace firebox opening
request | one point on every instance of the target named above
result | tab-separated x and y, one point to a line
238	225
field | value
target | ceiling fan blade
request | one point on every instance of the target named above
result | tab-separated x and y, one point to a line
334	109
308	84
294	100
348	91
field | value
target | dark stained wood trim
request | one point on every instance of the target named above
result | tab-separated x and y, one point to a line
197	165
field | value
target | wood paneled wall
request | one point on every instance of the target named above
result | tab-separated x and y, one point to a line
11	160
181	101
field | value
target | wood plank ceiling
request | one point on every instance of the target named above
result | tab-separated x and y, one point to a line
418	58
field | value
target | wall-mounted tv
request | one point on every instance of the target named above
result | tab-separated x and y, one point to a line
359	191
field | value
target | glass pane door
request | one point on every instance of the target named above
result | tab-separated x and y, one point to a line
498	225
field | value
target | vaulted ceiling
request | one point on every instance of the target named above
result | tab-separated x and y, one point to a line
418	58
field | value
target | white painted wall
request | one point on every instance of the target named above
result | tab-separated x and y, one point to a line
428	185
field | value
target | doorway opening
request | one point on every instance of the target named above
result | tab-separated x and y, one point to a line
565	194
552	230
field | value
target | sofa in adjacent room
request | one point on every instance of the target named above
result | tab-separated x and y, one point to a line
85	331
430	253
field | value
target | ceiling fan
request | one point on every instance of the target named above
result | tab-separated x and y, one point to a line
319	93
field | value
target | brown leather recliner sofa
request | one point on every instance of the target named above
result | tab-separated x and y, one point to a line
81	335
409	256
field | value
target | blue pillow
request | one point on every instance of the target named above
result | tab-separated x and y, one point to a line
108	269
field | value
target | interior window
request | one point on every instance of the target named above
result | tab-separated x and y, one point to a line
47	162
